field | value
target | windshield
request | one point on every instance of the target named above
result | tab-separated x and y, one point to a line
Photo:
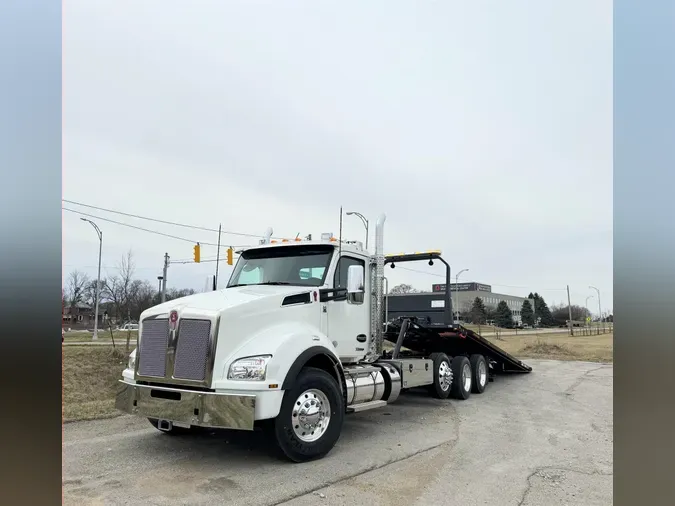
283	265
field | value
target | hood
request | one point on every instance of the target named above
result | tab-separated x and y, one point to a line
220	300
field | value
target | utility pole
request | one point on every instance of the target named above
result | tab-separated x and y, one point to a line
215	278
569	310
166	267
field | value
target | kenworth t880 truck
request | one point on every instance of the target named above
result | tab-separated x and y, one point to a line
295	342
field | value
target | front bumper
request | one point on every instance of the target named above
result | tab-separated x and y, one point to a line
205	409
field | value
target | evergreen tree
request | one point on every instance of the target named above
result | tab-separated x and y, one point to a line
542	311
527	313
504	317
478	313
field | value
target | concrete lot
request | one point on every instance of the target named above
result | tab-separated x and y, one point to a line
538	439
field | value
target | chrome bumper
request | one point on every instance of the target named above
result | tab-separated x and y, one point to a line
205	409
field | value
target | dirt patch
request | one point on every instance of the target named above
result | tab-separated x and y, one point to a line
548	349
90	378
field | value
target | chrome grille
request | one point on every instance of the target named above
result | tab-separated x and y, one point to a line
193	349
152	350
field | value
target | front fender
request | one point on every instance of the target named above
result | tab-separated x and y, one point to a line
286	342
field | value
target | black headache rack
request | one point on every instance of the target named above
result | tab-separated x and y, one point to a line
426	321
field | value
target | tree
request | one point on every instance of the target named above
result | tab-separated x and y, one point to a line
561	314
117	289
478	313
527	313
403	288
541	311
504	318
77	281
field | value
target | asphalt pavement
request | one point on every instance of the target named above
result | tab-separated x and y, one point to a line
544	438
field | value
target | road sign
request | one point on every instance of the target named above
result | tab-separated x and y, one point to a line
588	319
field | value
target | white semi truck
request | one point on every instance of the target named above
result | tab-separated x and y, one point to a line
295	342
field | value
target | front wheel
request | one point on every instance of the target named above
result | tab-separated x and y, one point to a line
311	416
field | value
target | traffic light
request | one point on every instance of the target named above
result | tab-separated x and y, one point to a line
197	253
230	251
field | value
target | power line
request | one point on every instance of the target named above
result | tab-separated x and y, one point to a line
139	228
173	223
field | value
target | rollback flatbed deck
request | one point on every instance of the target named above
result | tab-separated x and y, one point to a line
423	324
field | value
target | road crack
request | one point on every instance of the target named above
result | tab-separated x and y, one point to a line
539	471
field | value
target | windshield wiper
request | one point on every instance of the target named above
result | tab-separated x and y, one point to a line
263	283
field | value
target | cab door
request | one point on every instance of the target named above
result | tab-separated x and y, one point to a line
348	316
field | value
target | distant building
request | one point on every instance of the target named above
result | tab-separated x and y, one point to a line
464	294
80	316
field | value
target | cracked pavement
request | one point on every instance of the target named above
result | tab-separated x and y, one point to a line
539	439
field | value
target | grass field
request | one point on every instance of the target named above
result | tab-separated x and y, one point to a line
91	373
559	346
90	377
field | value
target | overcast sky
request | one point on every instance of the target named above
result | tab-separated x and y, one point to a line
482	128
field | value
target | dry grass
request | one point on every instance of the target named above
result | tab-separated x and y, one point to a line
554	346
120	336
90	376
559	346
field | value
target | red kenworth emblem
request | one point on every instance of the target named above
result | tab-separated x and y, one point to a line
173	319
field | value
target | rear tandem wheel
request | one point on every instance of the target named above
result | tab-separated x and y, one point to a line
442	376
462	378
480	370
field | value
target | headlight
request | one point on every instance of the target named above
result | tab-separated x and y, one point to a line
249	368
132	360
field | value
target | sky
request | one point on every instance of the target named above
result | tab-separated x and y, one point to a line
481	128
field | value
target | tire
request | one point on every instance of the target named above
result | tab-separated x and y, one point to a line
481	373
442	376
462	379
175	431
318	436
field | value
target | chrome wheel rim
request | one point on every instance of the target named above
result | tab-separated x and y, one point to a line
466	377
482	373
311	415
444	375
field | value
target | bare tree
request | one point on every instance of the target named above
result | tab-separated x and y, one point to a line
117	289
77	282
403	288
141	297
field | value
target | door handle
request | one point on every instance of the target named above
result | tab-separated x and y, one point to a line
361	338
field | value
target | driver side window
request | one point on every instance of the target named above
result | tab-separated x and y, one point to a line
340	279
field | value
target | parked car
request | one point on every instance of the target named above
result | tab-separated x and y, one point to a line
128	326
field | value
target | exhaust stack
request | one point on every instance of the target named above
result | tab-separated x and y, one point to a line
376	319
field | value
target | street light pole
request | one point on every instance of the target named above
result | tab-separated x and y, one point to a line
587	311
98	276
599	309
364	220
457	291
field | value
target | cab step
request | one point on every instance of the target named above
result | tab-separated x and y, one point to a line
366	406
